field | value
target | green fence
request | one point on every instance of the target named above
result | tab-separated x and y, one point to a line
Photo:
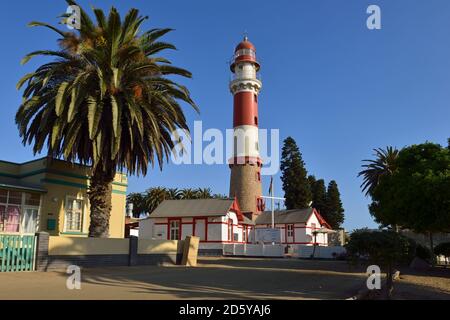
16	253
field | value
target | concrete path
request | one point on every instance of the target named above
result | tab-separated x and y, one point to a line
214	278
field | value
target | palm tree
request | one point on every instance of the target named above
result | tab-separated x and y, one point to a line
154	197
203	193
173	194
138	201
384	163
188	193
105	100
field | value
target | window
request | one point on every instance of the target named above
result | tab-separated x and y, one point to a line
29	220
290	230
260	206
15	197
14	217
256	121
2	217
258	176
230	230
174	230
255	98
32	199
3	196
74	215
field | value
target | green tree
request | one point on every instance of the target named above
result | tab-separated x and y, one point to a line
173	194
417	195
107	99
294	177
154	197
334	211
374	170
203	193
386	249
138	201
188	193
319	197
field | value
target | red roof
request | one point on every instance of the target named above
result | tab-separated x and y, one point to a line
322	221
245	44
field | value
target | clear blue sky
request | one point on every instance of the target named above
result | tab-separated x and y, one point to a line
336	87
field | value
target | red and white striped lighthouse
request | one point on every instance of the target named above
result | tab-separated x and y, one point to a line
245	164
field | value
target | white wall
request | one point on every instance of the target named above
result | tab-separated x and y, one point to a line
253	250
217	231
322	252
303	233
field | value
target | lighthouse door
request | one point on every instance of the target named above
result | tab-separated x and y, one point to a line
200	228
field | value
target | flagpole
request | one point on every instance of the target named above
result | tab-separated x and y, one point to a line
273	204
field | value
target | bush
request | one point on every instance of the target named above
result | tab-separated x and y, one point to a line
442	249
383	248
424	253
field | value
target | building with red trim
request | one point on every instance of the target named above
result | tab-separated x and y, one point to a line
214	221
298	226
217	222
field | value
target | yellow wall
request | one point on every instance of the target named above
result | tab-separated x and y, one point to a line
66	246
62	179
146	246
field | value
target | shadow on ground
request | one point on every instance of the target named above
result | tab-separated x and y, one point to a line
235	279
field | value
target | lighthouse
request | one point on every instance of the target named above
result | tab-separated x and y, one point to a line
245	163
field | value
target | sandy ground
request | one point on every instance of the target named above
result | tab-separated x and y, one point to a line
214	278
434	284
220	278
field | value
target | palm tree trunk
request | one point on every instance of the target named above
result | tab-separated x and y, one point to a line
100	201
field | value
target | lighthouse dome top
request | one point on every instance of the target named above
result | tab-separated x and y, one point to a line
245	44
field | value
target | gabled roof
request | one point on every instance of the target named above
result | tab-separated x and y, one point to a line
290	216
193	208
285	216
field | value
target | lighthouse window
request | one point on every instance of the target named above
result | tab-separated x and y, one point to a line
256	120
255	97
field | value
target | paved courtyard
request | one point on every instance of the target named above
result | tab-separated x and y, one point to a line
214	278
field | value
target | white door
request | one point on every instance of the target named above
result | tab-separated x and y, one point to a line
290	233
29	220
200	229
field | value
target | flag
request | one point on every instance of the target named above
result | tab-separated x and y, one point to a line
271	186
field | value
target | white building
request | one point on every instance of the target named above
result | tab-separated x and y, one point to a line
298	226
217	222
214	221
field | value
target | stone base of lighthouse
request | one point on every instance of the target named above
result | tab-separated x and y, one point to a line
245	185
